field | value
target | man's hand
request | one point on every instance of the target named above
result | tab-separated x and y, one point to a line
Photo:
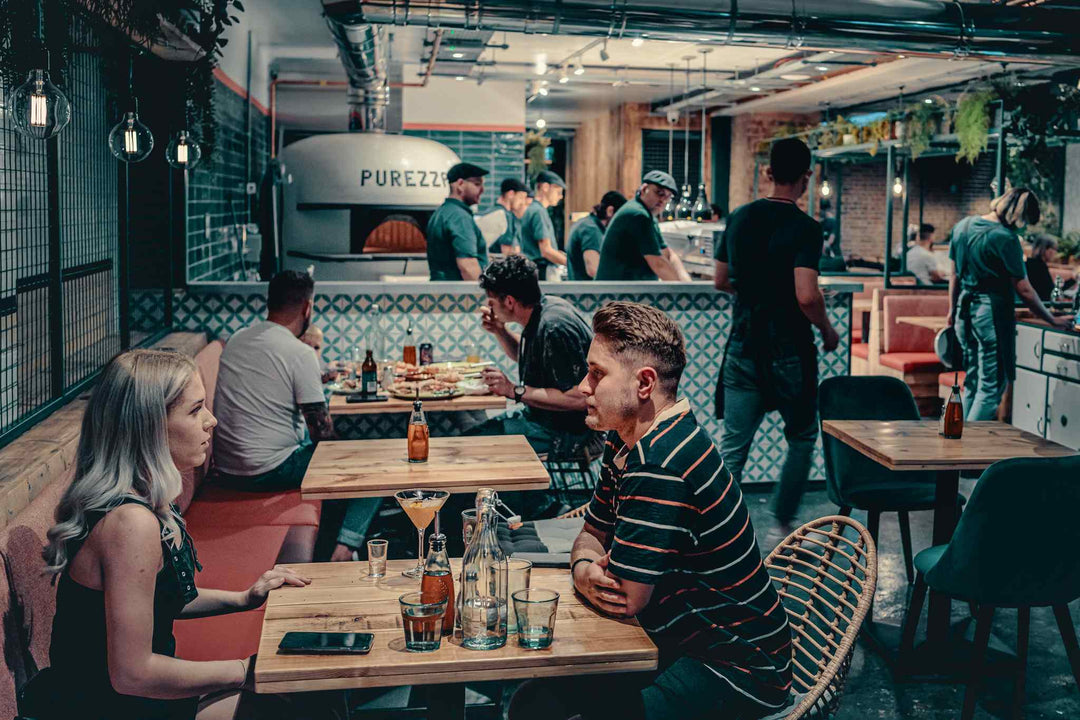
497	382
342	553
489	322
601	590
830	340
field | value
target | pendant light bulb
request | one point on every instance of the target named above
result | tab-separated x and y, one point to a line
38	109
541	123
183	152
826	189
898	187
130	140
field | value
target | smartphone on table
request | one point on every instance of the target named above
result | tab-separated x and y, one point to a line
322	643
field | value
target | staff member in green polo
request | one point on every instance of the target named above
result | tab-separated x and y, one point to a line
537	233
583	247
988	266
455	245
633	247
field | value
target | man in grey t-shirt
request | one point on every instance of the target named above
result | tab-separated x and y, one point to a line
921	261
269	388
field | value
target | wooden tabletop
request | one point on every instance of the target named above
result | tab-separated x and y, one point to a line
927	321
379	468
916	445
341	598
339	405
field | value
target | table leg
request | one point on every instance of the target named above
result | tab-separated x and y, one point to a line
446	702
945	519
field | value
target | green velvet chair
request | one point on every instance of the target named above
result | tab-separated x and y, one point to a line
853	480
1015	547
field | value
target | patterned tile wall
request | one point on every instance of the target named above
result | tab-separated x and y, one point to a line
450	322
500	153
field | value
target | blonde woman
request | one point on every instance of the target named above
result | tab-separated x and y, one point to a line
124	560
988	266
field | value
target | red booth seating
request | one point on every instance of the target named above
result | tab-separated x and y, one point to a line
237	537
907	351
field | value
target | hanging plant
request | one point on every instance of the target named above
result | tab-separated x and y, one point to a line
973	124
536	144
921	123
142	23
876	133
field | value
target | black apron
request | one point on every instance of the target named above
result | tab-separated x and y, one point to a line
1004	327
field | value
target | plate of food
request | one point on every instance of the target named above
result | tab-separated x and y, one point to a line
424	390
345	386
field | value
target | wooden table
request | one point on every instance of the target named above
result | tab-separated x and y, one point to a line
929	322
910	445
342	469
341	598
339	405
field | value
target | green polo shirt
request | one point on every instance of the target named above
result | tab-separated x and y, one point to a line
535	226
631	235
451	234
588	234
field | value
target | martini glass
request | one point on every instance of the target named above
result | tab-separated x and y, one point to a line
421	506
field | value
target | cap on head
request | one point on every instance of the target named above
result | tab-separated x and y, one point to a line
550	178
512	185
464	171
661	178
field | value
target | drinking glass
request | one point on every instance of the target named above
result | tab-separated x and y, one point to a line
468	525
421	506
472	352
422	622
535	610
519	575
376	557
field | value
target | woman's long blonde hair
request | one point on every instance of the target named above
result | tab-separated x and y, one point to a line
1017	205
124	448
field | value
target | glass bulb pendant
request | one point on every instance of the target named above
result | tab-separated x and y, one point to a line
701	211
668	213
684	210
38	109
183	152
130	140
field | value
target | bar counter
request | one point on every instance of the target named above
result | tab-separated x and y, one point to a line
446	314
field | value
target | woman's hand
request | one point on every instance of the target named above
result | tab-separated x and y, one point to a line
272	579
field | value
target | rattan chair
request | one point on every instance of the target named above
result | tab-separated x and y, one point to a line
826	573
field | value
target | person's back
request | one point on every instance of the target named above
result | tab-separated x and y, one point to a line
265	375
922	263
553	349
764	242
587	234
987	254
631	235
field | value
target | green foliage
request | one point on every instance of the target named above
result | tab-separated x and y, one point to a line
973	123
1069	247
921	122
536	144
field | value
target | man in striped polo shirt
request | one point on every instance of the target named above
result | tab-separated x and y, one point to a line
668	540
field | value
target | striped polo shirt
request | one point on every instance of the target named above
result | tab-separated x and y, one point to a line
677	521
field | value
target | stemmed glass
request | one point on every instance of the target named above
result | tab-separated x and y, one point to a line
421	506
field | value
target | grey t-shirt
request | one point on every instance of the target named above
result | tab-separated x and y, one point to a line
265	375
920	263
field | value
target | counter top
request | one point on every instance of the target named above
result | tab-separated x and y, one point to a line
829	284
1034	322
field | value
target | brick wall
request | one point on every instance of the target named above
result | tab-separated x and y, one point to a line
746	132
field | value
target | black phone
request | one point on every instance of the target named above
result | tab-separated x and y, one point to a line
316	643
359	398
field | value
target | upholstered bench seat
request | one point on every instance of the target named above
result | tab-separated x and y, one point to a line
217	505
911	362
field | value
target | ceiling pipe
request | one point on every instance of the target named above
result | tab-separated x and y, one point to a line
941	27
361	50
435	44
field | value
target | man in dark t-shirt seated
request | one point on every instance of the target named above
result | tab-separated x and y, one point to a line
768	258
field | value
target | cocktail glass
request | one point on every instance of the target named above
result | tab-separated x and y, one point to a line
421	506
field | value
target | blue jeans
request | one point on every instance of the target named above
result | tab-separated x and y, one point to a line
984	383
744	409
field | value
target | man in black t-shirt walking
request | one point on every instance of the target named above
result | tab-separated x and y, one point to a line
768	260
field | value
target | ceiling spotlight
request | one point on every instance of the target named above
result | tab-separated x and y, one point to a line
928	101
794	76
822	68
541	123
755	88
901	57
458	55
579	69
459	78
637	42
543	90
563	77
604	56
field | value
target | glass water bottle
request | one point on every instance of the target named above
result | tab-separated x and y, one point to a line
484	577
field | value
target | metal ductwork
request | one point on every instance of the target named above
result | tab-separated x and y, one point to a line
361	48
984	31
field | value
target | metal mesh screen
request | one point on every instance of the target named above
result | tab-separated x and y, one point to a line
654	150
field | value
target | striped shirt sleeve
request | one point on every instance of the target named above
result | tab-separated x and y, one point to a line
656	512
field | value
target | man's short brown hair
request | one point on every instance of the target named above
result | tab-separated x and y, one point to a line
654	337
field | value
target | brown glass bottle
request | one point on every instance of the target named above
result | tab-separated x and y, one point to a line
952	415
437	583
369	376
418	434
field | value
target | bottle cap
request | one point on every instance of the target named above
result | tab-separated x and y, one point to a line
417	404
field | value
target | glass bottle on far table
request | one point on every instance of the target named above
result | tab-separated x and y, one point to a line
409	353
437	583
369	376
418	434
484	577
952	415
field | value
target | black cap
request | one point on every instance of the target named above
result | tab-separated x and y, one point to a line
512	185
551	178
464	170
661	178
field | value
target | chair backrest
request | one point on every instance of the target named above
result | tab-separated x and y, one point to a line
1016	542
865	397
208	360
826	573
902	337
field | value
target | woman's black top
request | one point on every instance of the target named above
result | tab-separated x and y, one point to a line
78	654
1039	277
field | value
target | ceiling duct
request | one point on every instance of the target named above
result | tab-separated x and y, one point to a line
941	27
362	54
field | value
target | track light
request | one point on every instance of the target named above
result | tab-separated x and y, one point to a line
604	56
563	77
579	69
637	42
543	90
458	55
755	88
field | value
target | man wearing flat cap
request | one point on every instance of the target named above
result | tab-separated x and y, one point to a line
633	247
455	245
537	233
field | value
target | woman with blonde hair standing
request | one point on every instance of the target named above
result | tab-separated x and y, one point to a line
124	559
988	266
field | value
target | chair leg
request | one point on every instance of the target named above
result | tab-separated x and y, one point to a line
905	544
845	510
983	624
1068	636
1023	624
911	620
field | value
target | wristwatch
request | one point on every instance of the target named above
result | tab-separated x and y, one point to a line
519	392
